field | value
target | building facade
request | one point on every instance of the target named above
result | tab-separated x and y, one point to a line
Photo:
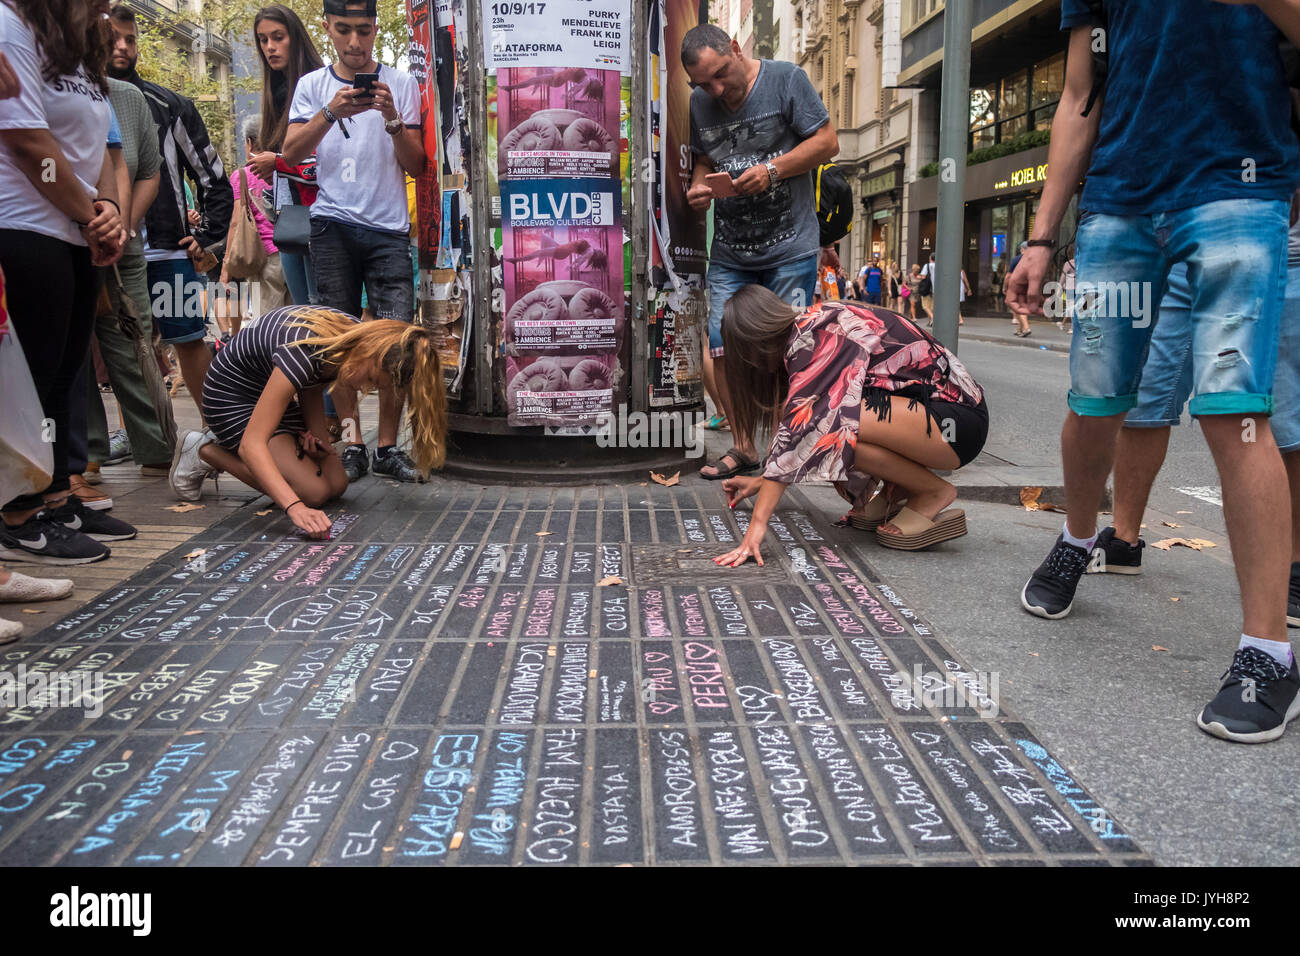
1017	74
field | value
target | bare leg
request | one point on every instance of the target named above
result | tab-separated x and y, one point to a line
743	443
1292	462
346	404
1139	453
900	452
710	386
390	415
194	358
1087	455
1257	512
301	473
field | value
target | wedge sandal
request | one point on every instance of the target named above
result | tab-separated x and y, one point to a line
919	532
878	510
744	465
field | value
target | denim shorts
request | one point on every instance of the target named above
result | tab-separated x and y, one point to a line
177	301
795	282
1167	372
345	257
1235	252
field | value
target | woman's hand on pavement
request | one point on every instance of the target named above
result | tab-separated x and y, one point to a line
316	523
739	488
750	547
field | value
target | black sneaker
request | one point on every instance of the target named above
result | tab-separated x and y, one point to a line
1050	592
75	516
1112	555
1257	699
1293	597
41	539
397	465
356	461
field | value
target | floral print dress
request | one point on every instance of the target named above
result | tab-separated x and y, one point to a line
841	356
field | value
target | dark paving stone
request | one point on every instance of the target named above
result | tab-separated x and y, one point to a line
446	681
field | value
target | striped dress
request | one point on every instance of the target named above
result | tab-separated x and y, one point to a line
240	371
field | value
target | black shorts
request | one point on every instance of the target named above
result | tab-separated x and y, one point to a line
970	427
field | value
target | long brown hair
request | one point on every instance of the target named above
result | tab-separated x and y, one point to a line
405	353
756	324
70	35
303	58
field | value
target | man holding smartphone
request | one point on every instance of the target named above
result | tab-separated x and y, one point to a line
760	123
362	120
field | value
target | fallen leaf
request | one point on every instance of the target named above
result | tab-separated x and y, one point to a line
184	507
1171	524
126	754
1033	653
543	534
1029	496
666	482
32	610
262	513
1175	599
608	580
456	839
197	552
1185	512
1196	544
1157	647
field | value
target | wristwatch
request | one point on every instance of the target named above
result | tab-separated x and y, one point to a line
772	175
329	115
393	126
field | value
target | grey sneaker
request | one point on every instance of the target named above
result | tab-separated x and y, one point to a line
396	464
119	447
189	471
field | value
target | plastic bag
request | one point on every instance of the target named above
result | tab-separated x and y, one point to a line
26	443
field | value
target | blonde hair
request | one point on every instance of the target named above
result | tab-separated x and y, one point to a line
405	353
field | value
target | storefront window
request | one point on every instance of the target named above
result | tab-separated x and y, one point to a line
1013	128
983	106
1049	80
983	137
1014	95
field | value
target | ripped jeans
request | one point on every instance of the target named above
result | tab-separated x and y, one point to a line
1236	257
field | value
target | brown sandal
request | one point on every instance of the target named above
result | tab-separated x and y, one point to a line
919	532
744	465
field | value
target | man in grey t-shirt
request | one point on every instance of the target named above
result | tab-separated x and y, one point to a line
762	122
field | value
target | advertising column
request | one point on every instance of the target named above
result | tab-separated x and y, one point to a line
560	151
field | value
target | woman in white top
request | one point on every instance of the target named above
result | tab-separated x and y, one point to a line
59	218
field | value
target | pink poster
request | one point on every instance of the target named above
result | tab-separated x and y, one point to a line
557	122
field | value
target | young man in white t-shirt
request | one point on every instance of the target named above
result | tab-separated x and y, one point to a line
365	142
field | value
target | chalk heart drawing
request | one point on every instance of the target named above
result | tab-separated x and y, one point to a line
304	616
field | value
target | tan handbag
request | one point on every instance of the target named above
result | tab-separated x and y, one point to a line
245	254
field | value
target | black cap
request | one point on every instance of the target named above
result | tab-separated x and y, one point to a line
339	8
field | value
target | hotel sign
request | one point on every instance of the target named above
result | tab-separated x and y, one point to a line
1021	178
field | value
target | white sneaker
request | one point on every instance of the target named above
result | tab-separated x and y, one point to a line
189	471
9	631
21	589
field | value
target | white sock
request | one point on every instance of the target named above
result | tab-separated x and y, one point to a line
1280	651
1085	543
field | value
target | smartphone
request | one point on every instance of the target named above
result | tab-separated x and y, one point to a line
365	81
721	185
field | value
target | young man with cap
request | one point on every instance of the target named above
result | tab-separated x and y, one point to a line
366	139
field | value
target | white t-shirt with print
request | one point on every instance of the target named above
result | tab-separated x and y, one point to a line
358	177
75	111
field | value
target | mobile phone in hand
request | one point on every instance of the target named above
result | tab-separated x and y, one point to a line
721	184
366	82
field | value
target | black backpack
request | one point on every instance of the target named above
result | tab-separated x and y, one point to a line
834	200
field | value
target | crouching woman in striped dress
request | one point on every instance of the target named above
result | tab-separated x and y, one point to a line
263	406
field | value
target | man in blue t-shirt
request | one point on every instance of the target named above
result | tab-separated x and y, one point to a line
871	277
1160	192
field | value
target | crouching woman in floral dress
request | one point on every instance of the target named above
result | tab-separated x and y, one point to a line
858	396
